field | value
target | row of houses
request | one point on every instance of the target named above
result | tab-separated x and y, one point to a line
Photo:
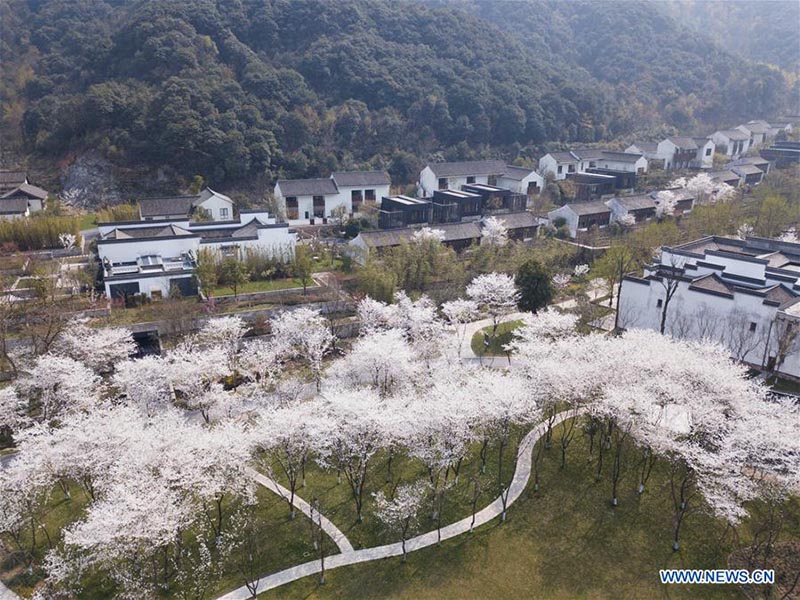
744	294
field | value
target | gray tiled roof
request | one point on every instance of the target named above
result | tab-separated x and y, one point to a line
27	190
360	178
13	206
170	205
307	187
686	143
589	208
472	167
136	233
393	237
11	178
621	156
565	157
649	147
734	134
637	202
518	220
517	173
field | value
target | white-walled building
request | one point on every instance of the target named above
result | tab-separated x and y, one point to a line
307	199
758	131
731	142
521	180
679	152
207	204
144	257
580	216
562	164
647	149
452	175
741	293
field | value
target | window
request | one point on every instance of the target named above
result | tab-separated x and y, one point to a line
470	179
442	183
752	326
223	213
492	180
571	168
708	151
356	199
659	303
291	207
560	169
369	195
319	206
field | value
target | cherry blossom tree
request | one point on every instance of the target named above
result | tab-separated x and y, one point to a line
382	360
495	294
223	333
98	348
666	202
426	235
348	435
459	313
57	385
494	233
305	331
400	512
144	383
562	280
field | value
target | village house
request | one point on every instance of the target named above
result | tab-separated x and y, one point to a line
155	257
14	208
782	153
741	293
592	186
731	142
750	174
642	207
686	153
561	164
581	216
647	149
208	204
455	175
35	197
756	161
757	130
521	226
316	200
727	176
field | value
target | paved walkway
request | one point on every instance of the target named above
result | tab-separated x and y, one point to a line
304	507
495	509
475	326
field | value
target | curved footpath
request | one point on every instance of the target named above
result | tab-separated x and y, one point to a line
520	480
334	532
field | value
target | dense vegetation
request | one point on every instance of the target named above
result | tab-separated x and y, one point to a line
252	90
661	73
766	33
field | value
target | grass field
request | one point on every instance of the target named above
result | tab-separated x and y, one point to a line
261	286
561	543
495	347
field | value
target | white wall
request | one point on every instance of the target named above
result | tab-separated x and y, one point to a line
566	213
521	186
548	164
214	206
118	252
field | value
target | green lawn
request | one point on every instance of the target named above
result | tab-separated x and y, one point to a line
561	543
261	286
495	347
88	221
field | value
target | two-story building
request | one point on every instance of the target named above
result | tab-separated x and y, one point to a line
455	175
680	152
581	216
154	258
758	131
561	165
316	200
731	142
743	294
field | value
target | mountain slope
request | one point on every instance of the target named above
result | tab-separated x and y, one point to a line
244	90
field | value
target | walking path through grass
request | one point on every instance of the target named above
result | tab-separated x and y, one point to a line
304	507
495	509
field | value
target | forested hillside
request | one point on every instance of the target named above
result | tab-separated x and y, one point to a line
661	71
762	31
254	89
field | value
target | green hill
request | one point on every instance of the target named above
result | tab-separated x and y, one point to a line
249	90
